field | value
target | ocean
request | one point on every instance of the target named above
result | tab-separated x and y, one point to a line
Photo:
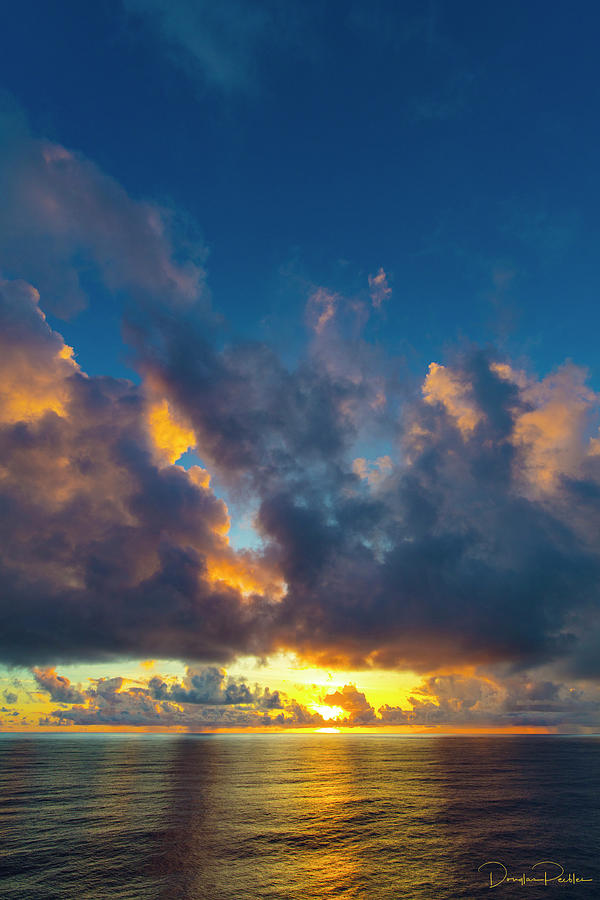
298	816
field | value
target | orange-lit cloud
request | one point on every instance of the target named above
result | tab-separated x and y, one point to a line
373	472
171	438
446	387
33	378
551	429
101	521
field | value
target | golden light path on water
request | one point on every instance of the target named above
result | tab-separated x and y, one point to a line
301	817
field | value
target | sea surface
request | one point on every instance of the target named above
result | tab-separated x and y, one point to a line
298	816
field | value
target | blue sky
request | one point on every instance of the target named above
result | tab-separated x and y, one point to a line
452	144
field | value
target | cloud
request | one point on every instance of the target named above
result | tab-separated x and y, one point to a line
321	309
355	705
455	396
205	698
111	549
518	700
218	44
58	686
211	686
105	548
461	558
62	217
472	538
379	288
551	427
373	472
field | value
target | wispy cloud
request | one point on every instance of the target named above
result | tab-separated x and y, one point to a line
218	44
379	288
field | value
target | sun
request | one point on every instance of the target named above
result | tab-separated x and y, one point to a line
328	712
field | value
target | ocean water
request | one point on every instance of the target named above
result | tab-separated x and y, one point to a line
246	817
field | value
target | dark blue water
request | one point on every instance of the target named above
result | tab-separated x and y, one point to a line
243	817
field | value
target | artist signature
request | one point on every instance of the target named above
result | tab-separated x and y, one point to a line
546	872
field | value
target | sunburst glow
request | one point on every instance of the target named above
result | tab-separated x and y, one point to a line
328	712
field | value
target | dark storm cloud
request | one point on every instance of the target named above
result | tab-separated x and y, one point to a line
104	551
474	562
474	546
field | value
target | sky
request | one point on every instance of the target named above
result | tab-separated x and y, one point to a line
298	351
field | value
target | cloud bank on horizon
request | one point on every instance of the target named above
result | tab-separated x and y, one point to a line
206	699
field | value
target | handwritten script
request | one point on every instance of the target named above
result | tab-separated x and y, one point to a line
545	872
